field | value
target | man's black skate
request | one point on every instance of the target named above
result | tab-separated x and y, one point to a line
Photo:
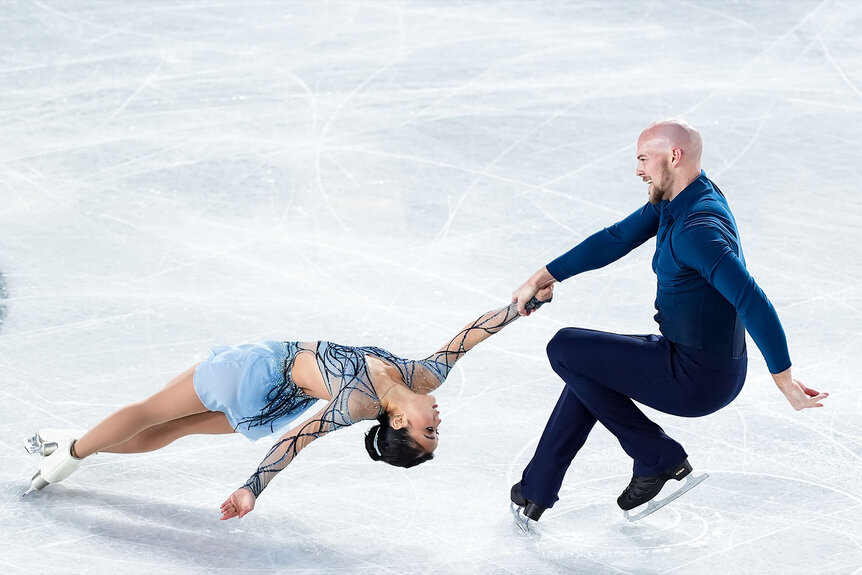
643	489
522	509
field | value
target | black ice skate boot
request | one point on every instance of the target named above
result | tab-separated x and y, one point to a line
643	489
530	510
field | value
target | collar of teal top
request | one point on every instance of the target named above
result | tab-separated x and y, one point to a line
690	194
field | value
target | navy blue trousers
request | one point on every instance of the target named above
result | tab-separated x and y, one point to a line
603	372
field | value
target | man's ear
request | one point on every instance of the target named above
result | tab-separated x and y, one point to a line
675	156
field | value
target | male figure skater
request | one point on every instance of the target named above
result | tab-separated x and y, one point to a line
706	299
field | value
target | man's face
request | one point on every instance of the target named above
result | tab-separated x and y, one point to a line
654	169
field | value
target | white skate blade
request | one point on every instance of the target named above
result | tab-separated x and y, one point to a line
522	521
652	506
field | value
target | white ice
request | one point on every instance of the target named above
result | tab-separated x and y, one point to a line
178	175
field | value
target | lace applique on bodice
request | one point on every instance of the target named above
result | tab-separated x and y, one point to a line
346	376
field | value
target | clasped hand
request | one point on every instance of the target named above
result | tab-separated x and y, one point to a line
526	292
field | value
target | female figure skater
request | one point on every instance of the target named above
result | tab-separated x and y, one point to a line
258	389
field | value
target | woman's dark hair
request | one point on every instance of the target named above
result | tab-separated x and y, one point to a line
394	446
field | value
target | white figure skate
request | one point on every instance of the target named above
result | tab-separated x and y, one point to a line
44	442
55	467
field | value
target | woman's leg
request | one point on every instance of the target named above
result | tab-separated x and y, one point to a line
158	436
176	400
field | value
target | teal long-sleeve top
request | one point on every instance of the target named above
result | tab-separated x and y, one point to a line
706	298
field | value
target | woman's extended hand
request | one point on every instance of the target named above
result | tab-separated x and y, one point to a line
240	503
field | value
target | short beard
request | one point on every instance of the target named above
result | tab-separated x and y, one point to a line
661	189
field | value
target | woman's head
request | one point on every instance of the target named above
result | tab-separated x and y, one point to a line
407	437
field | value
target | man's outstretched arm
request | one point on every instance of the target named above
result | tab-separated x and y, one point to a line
597	251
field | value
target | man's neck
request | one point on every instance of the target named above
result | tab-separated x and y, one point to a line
685	181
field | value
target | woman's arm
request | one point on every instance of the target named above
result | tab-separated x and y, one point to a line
475	332
282	453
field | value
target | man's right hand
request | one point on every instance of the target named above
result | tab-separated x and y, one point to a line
540	283
522	295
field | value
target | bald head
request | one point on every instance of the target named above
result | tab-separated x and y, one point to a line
675	133
669	157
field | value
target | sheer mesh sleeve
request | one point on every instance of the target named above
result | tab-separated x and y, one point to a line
429	373
346	408
344	368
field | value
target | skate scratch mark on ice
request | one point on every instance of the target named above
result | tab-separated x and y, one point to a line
79	20
305	88
346	173
777	248
638	531
759	504
431	162
191	559
444	232
8	186
315	543
74	540
441	277
562	543
787	510
322	138
4	296
771	458
830	296
678	507
743	435
828	434
744	151
781	38
721	14
134	94
424	113
515	460
53	330
752	61
491	388
627	148
749	541
556	220
834	63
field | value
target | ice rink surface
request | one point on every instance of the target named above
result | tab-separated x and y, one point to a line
178	175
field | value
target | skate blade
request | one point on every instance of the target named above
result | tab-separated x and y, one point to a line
33	445
523	522
36	484
652	506
36	446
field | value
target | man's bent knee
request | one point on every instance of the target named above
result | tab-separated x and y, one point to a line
563	348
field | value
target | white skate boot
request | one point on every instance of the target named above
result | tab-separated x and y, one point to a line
44	442
55	467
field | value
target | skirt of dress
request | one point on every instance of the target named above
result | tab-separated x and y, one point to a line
237	380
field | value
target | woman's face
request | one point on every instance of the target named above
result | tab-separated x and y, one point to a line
422	421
